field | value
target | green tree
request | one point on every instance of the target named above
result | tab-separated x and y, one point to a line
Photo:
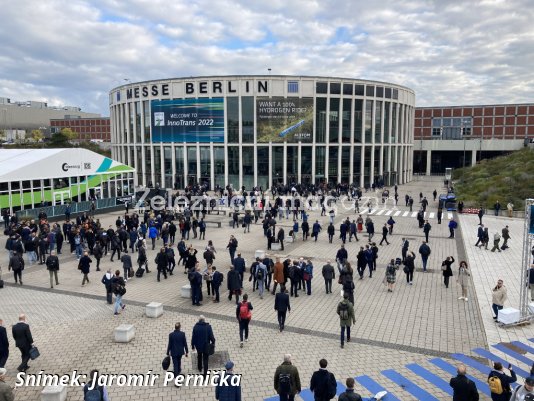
69	134
37	135
2	135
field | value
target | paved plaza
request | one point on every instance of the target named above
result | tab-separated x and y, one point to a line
73	326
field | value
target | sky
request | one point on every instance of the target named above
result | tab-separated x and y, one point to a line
450	52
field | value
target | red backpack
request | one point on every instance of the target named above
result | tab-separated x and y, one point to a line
244	312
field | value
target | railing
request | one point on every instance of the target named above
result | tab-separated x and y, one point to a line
75	207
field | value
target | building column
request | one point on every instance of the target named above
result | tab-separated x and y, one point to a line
284	173
270	183
428	161
299	168
212	167
473	157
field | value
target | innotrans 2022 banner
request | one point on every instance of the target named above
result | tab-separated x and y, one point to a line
188	120
282	119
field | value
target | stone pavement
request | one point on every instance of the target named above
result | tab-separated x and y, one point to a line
73	325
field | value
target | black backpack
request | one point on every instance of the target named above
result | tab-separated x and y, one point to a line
284	383
344	310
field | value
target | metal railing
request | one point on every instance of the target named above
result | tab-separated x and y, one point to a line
59	210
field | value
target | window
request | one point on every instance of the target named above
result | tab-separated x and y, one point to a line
379	91
452	128
388	93
321	87
348	89
232	113
359	90
358	110
335	88
292	86
395	93
334	120
247	112
370	90
320	119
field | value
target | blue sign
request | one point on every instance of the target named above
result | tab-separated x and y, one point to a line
188	120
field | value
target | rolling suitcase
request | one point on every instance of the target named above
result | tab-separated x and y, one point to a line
139	273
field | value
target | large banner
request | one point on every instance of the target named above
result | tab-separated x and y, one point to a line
188	120
281	119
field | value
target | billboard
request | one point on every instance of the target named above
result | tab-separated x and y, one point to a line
281	119
188	120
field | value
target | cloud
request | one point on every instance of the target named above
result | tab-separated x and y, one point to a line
74	52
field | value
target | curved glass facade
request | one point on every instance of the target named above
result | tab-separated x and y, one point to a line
258	130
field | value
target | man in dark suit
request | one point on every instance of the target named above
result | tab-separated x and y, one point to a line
464	389
323	383
281	305
4	345
176	348
405	246
201	339
23	341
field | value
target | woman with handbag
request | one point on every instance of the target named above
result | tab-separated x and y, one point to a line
463	279
446	269
391	274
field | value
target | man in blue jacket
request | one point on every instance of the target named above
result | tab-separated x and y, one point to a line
201	340
228	392
176	348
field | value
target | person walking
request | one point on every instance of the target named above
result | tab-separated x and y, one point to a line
161	263
127	267
499	295
4	345
330	230
345	310
98	253
118	286
232	247
176	348
281	236
307	276
391	275
316	228
16	263
426	229
23	341
497	208
106	280
446	270
409	267
404	249
84	265
506	236
510	208
349	394
463	388
278	275
216	282
424	251
480	235
531	281
496	240
282	306
244	315
52	265
230	391
452	226
287	380
203	341
329	274
439	215
92	390
385	233
480	215
323	383
463	279
233	282
499	382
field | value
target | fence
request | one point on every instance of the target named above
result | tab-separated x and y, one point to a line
75	207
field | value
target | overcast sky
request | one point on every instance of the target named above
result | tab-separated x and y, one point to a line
450	52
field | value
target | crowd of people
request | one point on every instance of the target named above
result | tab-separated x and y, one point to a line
43	242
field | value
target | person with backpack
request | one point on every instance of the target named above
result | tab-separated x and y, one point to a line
345	310
106	280
260	275
463	388
524	392
499	382
391	274
308	275
118	286
323	383
244	315
92	391
52	265
287	380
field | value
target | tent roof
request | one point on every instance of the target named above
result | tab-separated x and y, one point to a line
33	164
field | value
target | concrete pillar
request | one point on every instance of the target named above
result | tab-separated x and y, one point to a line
428	161
473	157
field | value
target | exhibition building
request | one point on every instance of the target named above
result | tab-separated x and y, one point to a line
262	130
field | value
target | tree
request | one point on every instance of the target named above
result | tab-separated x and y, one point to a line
69	134
37	135
2	135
